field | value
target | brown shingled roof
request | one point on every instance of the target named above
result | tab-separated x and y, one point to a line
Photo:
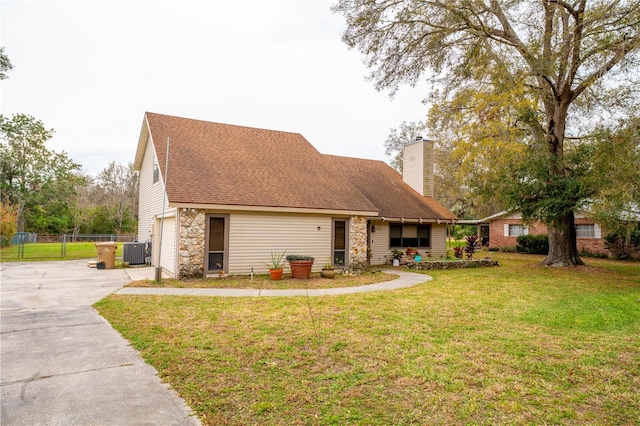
221	164
385	188
213	163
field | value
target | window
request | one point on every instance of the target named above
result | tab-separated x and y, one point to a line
409	235
585	231
156	170
515	230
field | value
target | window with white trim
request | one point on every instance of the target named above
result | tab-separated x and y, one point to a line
515	229
585	231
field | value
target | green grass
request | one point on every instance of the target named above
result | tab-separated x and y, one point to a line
455	243
52	251
514	344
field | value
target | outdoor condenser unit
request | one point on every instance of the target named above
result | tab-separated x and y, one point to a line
134	253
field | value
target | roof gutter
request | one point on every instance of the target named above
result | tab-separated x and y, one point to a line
413	220
232	207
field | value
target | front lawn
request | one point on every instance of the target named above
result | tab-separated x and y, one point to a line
514	344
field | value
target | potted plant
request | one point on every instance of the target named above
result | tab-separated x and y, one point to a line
300	265
328	271
276	265
397	255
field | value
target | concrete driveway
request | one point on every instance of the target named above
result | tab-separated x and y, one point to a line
62	364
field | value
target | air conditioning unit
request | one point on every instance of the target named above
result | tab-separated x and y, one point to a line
134	253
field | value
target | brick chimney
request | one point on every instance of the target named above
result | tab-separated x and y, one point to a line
417	166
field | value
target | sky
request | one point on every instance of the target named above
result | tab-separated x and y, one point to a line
90	69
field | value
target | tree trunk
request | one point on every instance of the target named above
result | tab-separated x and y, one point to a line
20	217
563	250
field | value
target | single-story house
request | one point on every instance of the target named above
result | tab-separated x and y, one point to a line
501	230
236	194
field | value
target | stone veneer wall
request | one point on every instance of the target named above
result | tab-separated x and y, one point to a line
191	241
358	241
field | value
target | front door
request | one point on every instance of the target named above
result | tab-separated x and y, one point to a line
339	242
217	236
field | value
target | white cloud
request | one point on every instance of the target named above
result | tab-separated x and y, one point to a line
90	69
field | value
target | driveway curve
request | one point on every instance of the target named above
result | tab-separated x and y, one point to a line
62	363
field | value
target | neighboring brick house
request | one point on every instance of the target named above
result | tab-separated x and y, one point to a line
234	194
502	229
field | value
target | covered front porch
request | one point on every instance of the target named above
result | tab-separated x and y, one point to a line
427	237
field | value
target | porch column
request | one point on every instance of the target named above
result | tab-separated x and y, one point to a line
358	241
191	243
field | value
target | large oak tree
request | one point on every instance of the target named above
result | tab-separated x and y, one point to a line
547	64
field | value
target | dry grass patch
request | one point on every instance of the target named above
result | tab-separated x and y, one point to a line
264	282
516	344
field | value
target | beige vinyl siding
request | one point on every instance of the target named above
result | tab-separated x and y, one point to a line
151	195
417	167
253	236
147	194
380	251
438	241
168	252
150	206
380	243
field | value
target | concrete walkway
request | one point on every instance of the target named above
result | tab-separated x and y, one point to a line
407	279
61	363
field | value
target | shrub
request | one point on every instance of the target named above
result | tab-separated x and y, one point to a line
471	244
588	253
458	251
532	244
397	254
8	223
622	245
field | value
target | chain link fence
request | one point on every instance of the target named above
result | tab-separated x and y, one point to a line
47	246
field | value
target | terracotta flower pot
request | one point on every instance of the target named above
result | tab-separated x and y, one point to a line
301	268
276	274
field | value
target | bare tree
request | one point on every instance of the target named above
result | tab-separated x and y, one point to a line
118	188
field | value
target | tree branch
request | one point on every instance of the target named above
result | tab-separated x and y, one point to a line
577	44
566	6
622	50
510	35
